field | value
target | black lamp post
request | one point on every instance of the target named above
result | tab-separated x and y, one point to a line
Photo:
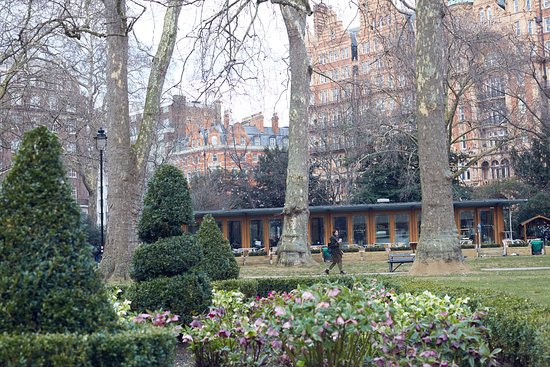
100	143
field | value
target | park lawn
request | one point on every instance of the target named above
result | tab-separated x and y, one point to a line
531	284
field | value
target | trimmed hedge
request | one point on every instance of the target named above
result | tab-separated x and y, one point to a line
142	347
248	287
519	327
185	295
166	257
166	205
219	262
48	278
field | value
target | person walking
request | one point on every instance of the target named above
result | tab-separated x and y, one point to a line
335	252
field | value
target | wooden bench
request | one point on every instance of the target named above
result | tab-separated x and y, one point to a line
399	259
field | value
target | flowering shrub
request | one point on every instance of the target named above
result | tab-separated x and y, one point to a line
434	331
121	305
330	325
154	318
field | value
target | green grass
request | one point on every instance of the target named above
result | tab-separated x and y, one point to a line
531	284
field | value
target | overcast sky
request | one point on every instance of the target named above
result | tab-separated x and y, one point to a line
268	93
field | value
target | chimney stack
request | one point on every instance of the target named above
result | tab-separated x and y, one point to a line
275	123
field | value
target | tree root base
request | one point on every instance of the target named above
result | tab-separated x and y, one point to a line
439	267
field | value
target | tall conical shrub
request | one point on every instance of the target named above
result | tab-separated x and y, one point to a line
219	261
167	267
166	205
48	279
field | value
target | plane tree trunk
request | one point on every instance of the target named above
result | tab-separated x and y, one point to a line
294	248
439	247
126	162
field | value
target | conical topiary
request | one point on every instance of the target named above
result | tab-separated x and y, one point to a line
48	279
166	206
166	268
219	261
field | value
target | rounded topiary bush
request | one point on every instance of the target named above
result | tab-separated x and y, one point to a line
186	295
48	279
219	261
166	257
166	205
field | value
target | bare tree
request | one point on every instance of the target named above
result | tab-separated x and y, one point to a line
439	248
128	161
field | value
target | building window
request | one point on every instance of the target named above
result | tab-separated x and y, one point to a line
489	14
74	192
546	4
461	115
214	157
546	24
366	47
243	141
517	28
485	170
530	26
463	145
71	173
528	5
71	147
481	15
495	172
516	6
335	95
505	165
365	67
272	142
214	140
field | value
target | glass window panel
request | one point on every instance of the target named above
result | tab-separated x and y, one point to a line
467	225
359	230
401	228
487	227
235	235
341	224
256	234
275	230
317	234
382	228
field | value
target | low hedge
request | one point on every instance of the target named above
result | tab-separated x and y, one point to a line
519	327
142	347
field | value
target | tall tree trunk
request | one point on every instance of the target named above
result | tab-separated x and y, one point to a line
439	247
127	163
294	248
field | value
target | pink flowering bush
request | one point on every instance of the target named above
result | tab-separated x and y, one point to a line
331	325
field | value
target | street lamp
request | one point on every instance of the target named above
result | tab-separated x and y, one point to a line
100	144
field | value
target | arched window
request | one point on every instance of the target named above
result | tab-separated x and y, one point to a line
495	173
485	170
214	140
505	165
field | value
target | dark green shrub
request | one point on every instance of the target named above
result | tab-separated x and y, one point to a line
248	287
219	261
150	347
186	295
166	257
48	279
166	206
